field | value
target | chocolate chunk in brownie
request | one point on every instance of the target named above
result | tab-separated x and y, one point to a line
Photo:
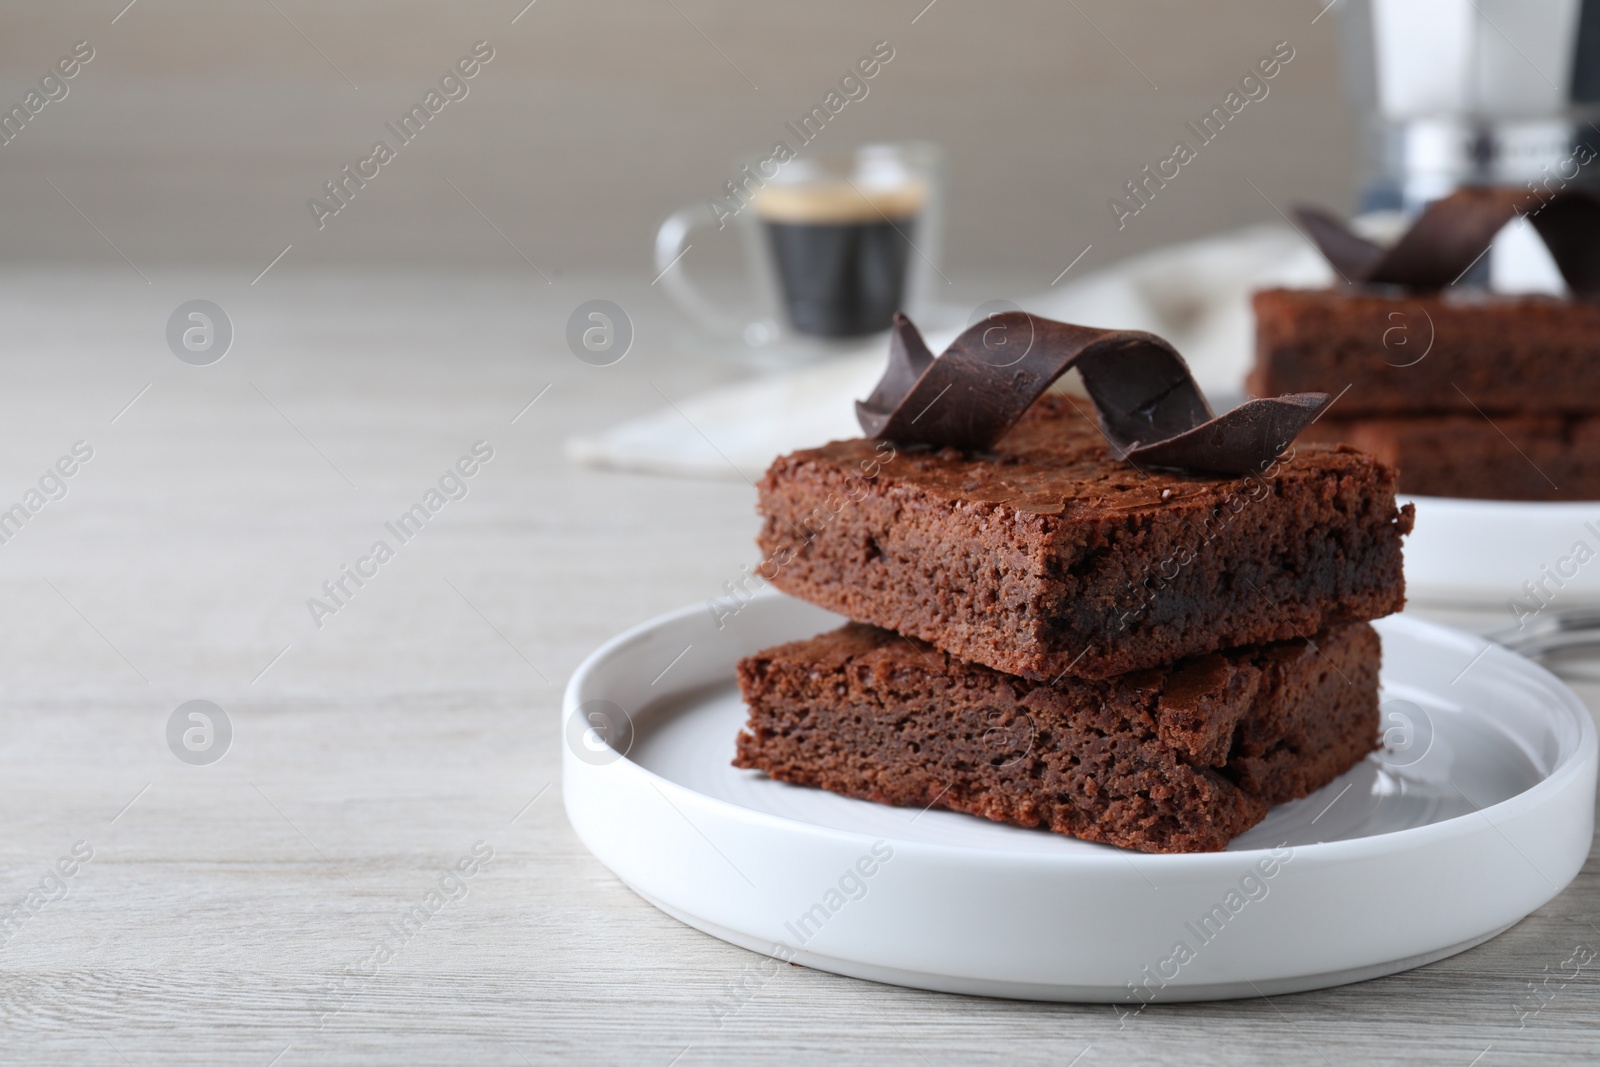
1500	457
1406	352
1176	759
1047	557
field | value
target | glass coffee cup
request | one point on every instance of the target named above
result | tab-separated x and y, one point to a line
836	245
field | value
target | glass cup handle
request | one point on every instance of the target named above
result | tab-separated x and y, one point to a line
671	245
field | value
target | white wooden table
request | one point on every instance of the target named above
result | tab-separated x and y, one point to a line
233	912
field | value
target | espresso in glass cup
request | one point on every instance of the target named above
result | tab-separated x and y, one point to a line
841	250
837	244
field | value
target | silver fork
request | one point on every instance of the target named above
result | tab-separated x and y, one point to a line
1550	633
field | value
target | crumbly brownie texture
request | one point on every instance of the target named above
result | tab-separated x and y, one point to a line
1048	558
1532	354
1180	759
1515	457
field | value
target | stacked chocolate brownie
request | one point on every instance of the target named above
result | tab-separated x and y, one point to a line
1047	635
1469	395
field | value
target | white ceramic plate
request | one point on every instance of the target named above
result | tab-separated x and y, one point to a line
1483	551
1483	811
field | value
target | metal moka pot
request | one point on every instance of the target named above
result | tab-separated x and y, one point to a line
1459	92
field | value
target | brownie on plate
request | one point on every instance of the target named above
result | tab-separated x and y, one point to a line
1047	558
1426	352
1500	457
1181	758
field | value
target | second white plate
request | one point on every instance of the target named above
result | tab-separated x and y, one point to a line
1493	552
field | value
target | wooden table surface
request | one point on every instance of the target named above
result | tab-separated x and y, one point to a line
230	912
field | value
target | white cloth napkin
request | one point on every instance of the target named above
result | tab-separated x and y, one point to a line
1196	295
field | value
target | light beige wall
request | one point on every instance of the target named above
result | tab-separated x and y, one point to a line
199	130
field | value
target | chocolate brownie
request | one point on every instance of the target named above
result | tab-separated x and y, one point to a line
1400	352
1512	457
1177	759
1046	557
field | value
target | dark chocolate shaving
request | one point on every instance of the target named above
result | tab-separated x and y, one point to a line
1452	234
1150	408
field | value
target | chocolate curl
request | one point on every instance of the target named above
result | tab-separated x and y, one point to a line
1150	408
1453	233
